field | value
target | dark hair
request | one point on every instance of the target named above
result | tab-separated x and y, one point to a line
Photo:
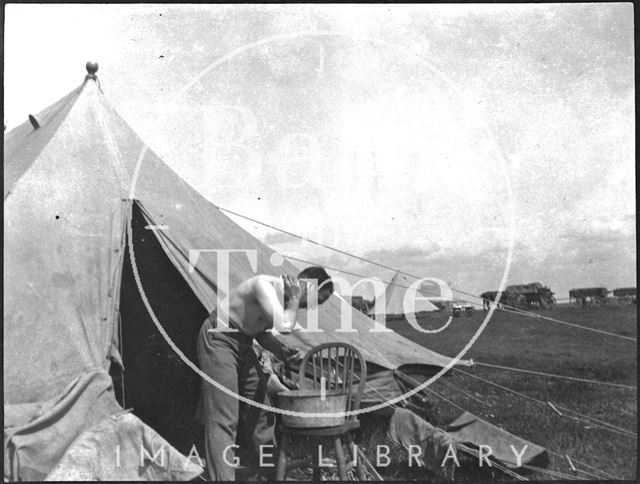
319	274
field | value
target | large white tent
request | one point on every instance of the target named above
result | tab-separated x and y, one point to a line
80	344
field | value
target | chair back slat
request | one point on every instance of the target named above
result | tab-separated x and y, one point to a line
361	382
315	372
329	383
345	367
341	365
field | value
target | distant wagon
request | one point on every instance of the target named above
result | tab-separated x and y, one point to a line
589	296
626	295
532	295
458	309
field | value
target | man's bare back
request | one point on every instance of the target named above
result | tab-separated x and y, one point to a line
263	303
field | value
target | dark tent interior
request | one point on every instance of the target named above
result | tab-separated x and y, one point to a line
160	388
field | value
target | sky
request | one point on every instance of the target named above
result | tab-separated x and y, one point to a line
407	135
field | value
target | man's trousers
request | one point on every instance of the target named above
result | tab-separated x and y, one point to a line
228	358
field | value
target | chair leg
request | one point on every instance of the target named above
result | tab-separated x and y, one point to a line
281	467
342	464
362	475
316	462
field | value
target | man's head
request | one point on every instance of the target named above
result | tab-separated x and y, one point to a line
318	285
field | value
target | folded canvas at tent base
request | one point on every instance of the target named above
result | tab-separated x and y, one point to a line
407	429
157	461
84	435
469	428
67	207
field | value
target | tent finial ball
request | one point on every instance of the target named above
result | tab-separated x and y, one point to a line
92	67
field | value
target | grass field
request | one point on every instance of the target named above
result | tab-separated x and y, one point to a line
534	344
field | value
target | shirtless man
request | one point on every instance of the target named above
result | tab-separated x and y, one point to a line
258	305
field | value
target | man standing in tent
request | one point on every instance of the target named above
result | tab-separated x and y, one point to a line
251	310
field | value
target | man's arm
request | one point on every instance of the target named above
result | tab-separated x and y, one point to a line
283	318
270	343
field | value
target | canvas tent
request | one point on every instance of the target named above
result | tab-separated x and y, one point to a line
394	299
438	293
73	312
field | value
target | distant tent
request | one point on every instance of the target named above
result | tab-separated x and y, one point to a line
73	314
394	298
439	293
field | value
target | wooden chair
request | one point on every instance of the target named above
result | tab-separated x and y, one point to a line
343	368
